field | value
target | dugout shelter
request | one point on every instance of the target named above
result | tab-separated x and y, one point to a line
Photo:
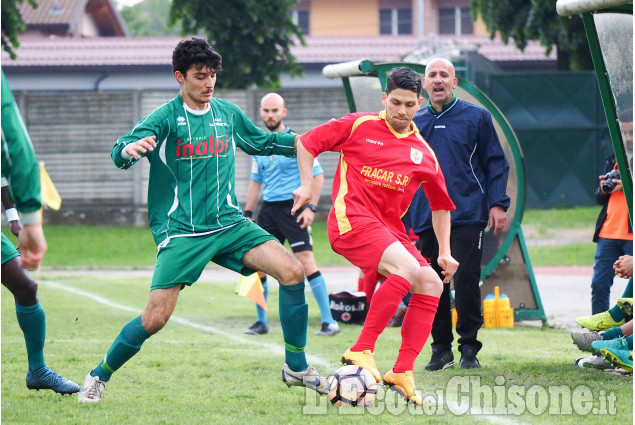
505	261
609	29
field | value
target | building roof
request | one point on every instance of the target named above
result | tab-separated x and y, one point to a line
51	16
64	52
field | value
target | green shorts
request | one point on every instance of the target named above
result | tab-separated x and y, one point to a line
8	250
181	260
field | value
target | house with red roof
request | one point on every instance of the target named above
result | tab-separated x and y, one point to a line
84	44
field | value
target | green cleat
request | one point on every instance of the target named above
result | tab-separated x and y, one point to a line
626	305
620	355
599	322
612	344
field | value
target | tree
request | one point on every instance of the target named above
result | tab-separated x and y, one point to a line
253	36
13	24
524	20
149	18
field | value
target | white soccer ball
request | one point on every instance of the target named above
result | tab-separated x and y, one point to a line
352	386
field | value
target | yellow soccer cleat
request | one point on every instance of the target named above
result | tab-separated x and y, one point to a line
404	384
599	322
365	359
626	305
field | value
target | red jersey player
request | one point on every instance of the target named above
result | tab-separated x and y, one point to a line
383	160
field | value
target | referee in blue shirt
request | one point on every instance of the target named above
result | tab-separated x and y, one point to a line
275	178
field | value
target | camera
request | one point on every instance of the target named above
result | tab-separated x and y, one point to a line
608	185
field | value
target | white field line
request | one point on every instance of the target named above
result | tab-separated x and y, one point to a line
274	348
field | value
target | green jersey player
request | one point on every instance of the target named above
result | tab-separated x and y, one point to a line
194	215
22	174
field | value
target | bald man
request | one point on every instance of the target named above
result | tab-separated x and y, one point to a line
464	139
274	178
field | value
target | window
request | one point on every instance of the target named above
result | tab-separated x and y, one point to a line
456	20
467	26
446	21
301	19
395	21
385	21
404	21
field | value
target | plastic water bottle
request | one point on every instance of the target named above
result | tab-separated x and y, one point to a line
489	311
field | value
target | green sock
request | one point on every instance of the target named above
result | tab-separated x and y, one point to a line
628	291
616	313
612	333
125	346
629	341
294	318
32	321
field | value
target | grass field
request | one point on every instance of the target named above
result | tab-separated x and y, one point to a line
201	369
133	247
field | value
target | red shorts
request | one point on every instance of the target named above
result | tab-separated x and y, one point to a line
364	245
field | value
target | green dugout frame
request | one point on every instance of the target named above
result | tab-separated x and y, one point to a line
609	30
505	261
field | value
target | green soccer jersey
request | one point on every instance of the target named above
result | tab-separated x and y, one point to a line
19	164
192	168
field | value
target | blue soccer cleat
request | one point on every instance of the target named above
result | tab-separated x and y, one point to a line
47	379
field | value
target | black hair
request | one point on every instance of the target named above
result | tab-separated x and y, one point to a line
197	52
403	78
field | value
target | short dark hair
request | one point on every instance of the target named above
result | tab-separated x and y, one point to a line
197	52
403	78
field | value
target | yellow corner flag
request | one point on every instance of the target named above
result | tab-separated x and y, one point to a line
251	287
50	197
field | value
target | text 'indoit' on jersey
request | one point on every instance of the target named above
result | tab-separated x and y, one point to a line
209	147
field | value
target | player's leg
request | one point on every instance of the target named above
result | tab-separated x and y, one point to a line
442	336
128	343
267	219
320	292
180	261
607	252
272	258
32	321
403	261
301	243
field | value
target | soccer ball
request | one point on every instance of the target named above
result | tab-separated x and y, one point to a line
352	386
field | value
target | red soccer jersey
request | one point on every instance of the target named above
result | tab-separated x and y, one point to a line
379	171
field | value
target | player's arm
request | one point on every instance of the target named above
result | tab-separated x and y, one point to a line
11	211
303	194
254	192
253	140
307	217
442	225
24	177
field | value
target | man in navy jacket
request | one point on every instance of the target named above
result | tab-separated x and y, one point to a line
465	142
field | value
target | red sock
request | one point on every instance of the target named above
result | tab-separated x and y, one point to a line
415	330
385	303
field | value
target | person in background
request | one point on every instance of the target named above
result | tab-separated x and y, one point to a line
463	137
613	234
276	177
21	173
